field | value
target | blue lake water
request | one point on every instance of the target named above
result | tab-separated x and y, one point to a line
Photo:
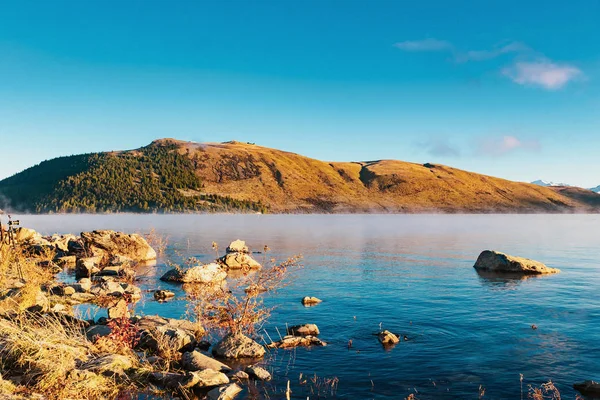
413	275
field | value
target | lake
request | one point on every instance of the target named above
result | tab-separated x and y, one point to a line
413	275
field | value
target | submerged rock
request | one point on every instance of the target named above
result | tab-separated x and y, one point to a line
310	301
388	338
238	346
207	273
290	341
162	295
494	261
304	330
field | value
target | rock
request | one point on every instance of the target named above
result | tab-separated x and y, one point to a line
66	261
203	345
239	261
68	291
237	246
110	271
112	243
387	338
166	335
227	392
209	377
494	261
25	235
83	285
97	331
304	330
119	310
207	273
61	242
311	301
238	346
86	267
172	380
117	260
258	372
58	308
241	376
162	295
289	342
588	388
108	289
196	361
132	290
83	297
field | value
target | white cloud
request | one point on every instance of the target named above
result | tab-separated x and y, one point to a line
499	146
424	45
546	74
483	55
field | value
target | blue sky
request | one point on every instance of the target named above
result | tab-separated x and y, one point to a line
504	88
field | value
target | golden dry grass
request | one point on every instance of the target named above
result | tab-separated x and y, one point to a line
289	182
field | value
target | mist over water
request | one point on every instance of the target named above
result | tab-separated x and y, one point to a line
413	275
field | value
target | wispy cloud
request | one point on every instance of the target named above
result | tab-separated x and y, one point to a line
537	71
499	146
544	74
483	55
424	45
438	148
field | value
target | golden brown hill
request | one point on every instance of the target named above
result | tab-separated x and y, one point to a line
288	182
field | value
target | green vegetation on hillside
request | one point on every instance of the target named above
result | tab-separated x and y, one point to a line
155	178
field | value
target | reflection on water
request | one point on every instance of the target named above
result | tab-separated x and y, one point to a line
413	275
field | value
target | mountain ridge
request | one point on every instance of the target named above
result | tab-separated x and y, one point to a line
170	175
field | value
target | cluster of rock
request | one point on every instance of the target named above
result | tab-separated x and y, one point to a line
96	253
299	336
237	256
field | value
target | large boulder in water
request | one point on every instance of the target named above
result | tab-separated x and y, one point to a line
207	273
111	243
238	346
237	246
494	261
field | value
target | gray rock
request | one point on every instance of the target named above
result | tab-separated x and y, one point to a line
289	342
241	376
97	331
108	289
209	378
258	372
588	388
87	266
208	273
493	261
196	361
83	297
66	261
173	380
227	392
238	346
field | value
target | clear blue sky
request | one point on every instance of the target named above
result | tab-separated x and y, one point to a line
506	88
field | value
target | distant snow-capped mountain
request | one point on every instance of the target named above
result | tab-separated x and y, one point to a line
596	189
541	182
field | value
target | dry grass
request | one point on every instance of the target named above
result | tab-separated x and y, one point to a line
157	241
290	182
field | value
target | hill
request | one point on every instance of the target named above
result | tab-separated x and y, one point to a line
174	176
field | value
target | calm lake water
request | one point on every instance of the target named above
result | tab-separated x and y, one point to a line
411	274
